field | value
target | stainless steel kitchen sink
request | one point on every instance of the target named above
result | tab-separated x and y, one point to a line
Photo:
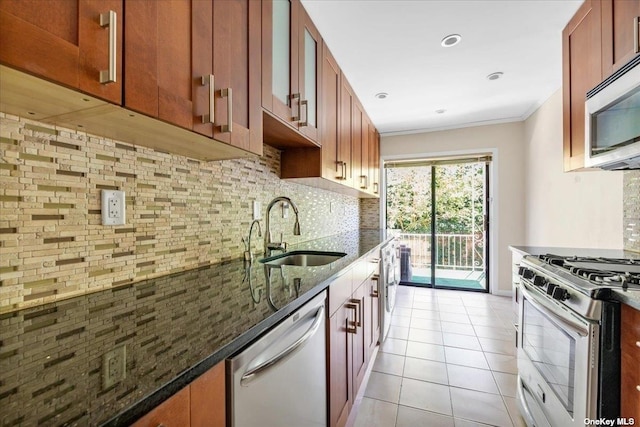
303	258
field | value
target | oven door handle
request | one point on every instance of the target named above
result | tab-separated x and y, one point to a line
544	308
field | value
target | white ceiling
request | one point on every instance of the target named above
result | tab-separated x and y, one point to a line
393	46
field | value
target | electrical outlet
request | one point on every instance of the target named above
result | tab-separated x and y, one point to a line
113	207
114	366
257	209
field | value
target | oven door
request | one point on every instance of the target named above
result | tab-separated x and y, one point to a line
557	362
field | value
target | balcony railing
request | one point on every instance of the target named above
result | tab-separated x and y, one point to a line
453	251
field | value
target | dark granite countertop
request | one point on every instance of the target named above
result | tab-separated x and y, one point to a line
174	328
629	297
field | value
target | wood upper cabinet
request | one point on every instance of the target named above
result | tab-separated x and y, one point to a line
226	45
374	159
620	33
173	412
63	41
158	80
582	70
345	130
291	59
630	375
332	156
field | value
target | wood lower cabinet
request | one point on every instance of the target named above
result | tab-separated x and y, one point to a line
208	400
353	320
62	41
619	33
173	412
630	374
201	404
582	70
340	365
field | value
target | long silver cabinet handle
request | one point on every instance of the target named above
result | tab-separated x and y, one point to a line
251	374
295	118
110	19
209	80
304	122
636	34
340	164
229	94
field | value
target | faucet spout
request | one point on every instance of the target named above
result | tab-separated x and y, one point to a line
282	246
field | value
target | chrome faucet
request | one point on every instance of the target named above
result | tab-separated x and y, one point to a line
270	246
248	254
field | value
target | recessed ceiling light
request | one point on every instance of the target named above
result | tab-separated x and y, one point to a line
381	95
441	111
451	40
495	76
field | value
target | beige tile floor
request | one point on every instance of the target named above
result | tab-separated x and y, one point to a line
449	360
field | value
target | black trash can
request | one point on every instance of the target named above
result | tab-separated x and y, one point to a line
405	264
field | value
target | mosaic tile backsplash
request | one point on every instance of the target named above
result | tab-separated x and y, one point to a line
631	209
181	213
370	213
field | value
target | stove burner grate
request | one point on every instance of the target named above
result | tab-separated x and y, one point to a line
602	277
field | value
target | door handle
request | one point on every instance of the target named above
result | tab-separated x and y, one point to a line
295	118
251	374
110	19
375	188
344	170
636	34
358	302
340	164
354	329
209	80
304	122
228	93
374	288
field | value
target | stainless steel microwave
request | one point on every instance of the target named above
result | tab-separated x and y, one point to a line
612	121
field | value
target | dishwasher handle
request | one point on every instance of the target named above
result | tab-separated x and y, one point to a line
252	373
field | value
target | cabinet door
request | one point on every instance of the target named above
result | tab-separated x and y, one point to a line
630	375
339	366
582	70
619	33
358	151
345	121
173	412
374	313
360	337
280	58
158	80
374	159
236	71
208	398
331	167
310	57
62	41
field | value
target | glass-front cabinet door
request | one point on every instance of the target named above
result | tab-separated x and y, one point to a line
292	52
310	53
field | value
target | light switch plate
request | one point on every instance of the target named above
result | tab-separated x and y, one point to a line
113	207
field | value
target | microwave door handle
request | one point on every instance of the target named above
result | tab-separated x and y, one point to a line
573	326
251	374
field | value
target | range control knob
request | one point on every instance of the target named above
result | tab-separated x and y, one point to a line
560	294
551	288
526	273
539	281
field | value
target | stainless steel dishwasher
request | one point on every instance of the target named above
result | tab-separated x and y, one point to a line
280	380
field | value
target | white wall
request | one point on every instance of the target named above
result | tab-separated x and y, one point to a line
576	209
507	143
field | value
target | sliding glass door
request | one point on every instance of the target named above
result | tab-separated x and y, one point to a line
440	209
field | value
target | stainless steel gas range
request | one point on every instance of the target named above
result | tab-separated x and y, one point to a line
569	341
